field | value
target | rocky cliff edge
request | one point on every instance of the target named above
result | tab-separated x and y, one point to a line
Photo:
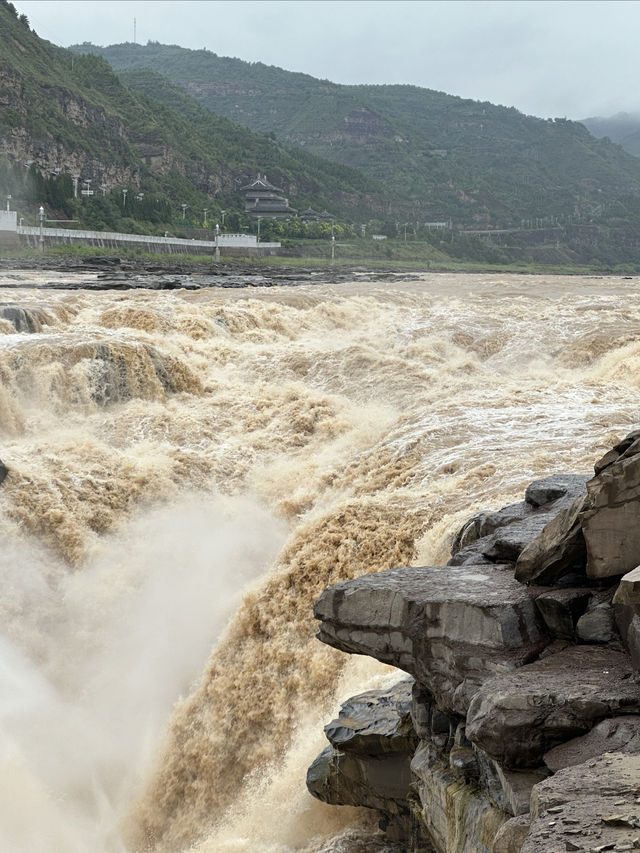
518	728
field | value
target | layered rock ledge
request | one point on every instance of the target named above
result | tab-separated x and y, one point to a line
522	730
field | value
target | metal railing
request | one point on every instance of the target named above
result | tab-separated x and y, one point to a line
248	241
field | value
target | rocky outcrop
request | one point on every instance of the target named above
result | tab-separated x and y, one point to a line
369	760
525	651
3	472
503	535
451	627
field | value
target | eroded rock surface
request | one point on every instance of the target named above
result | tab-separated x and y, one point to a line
588	807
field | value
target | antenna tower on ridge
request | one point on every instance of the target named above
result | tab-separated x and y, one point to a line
134	30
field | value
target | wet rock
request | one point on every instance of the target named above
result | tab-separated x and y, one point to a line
501	536
558	550
612	523
27	320
519	716
616	734
576	805
550	489
369	761
376	722
561	608
451	627
379	782
486	523
3	472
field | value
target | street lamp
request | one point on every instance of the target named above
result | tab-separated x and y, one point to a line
184	207
124	199
8	200
259	219
205	216
217	242
223	213
41	214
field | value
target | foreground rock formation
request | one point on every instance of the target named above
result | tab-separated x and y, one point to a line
519	729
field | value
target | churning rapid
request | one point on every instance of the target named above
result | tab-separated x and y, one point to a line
188	471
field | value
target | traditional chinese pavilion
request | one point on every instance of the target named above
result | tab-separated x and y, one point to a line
263	199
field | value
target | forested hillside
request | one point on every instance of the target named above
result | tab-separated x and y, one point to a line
437	156
64	114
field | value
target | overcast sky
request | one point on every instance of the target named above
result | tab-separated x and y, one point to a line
550	58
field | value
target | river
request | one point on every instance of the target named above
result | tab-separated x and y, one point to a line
188	471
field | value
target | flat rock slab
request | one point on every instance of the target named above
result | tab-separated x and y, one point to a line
590	807
451	627
375	722
519	716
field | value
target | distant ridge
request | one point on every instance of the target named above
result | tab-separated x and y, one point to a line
437	156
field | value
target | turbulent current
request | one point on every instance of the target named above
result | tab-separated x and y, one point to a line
189	469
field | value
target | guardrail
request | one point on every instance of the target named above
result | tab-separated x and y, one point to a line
247	241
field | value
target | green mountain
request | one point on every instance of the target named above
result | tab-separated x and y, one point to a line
622	128
438	157
63	114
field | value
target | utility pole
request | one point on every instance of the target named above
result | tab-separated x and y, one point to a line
259	218
205	216
8	200
41	214
333	244
222	212
217	242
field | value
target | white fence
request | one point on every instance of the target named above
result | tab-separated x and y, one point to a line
104	238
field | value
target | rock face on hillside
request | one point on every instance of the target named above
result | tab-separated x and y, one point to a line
522	728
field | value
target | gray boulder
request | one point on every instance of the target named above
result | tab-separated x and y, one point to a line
376	722
3	472
451	627
561	608
501	536
551	489
518	716
628	591
558	551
